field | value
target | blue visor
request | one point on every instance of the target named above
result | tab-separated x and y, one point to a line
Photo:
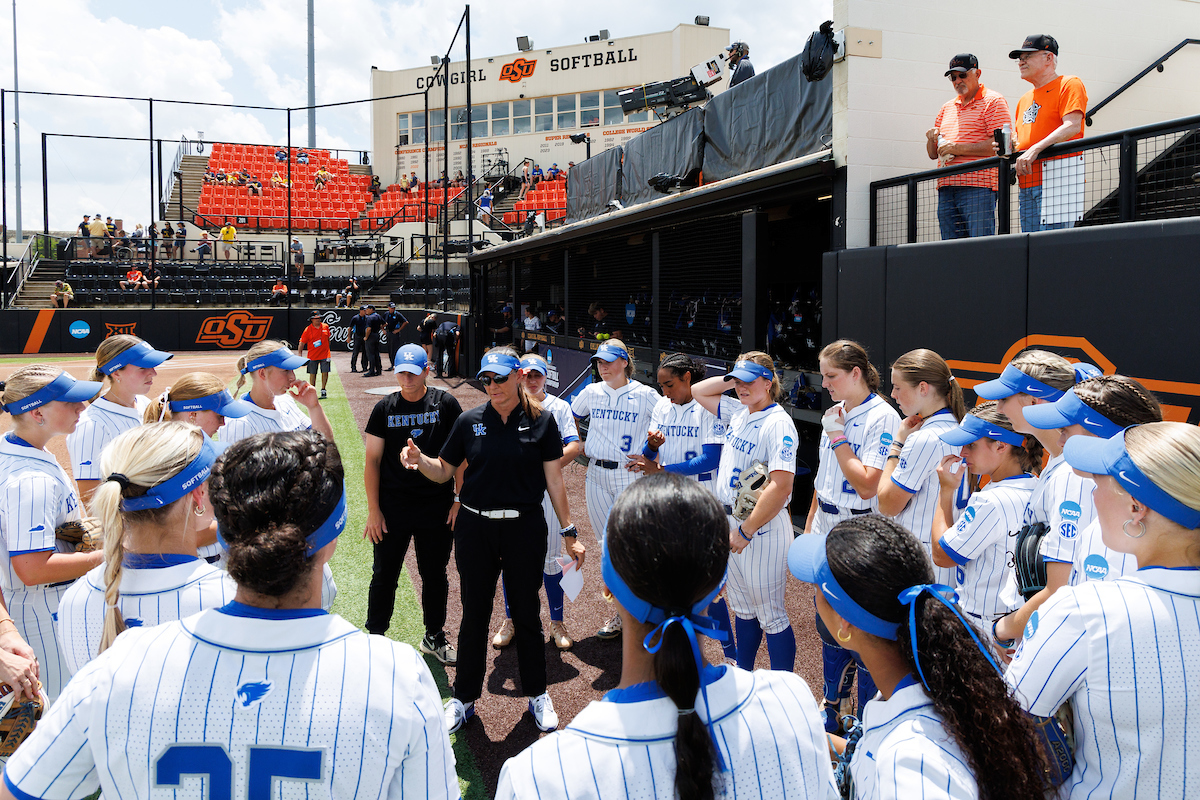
747	371
610	353
1109	457
499	364
140	355
64	389
330	529
411	358
222	402
808	562
535	364
1013	381
178	484
282	358
972	429
1070	410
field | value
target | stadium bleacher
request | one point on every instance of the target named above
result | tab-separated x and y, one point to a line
97	284
550	198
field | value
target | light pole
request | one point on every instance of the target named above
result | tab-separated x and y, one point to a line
16	128
585	139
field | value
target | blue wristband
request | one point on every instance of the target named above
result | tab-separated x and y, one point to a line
570	530
743	534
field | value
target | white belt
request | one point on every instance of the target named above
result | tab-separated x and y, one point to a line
500	513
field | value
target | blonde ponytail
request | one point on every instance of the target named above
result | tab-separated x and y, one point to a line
106	505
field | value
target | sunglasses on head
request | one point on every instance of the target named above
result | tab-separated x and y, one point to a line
488	380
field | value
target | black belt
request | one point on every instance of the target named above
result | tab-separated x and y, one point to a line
605	464
60	583
830	508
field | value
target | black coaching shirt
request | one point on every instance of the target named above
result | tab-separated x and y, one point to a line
505	461
427	422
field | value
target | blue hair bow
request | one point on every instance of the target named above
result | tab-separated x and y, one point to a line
949	598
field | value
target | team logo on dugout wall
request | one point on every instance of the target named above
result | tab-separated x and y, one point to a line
233	330
518	70
117	328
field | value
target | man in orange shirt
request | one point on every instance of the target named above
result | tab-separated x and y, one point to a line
1050	113
963	132
279	292
134	279
316	339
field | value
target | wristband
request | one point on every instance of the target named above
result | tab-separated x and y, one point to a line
1005	643
834	445
569	531
743	534
893	456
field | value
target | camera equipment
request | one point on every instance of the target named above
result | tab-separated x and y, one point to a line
677	93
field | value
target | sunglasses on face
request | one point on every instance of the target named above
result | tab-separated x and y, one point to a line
488	380
957	76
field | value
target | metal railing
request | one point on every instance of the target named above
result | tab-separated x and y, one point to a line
1149	172
23	267
1156	65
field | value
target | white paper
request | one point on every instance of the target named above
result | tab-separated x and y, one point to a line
572	578
1062	190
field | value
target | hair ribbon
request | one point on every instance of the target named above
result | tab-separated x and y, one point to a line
949	598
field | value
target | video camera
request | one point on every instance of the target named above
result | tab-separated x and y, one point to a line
676	93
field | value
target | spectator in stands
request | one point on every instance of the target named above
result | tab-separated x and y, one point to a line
279	292
279	182
123	240
180	239
358	347
321	177
302	157
99	234
221	176
393	323
85	233
62	295
134	279
414	185
404	184
298	257
203	246
228	237
254	185
280	155
347	296
525	178
111	227
209	176
152	237
739	62
152	274
962	132
168	243
536	177
371	340
485	207
139	240
553	172
569	165
445	340
1050	113
459	180
554	322
234	179
376	186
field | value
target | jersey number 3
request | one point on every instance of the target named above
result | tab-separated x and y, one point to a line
266	765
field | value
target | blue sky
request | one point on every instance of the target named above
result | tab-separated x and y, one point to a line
253	52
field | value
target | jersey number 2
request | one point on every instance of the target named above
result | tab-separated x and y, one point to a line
211	761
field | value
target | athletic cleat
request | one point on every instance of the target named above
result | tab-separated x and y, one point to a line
323	395
504	636
439	648
457	713
611	629
559	635
542	709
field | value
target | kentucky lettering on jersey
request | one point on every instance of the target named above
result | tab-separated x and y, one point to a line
411	420
614	414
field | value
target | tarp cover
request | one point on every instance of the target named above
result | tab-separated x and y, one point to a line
593	183
676	147
775	116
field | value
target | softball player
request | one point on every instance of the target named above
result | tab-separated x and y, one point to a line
38	496
932	403
125	368
265	689
273	393
618	411
1121	651
686	438
685	725
200	399
535	368
846	485
980	543
873	590
152	506
758	431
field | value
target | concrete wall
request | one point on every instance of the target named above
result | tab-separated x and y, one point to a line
560	70
883	106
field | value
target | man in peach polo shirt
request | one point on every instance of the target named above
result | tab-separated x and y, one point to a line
963	132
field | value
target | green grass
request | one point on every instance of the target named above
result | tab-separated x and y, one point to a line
352	568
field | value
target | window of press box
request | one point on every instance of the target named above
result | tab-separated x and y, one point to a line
402	137
612	109
543	109
589	109
458	127
521	118
500	122
417	135
479	121
566	111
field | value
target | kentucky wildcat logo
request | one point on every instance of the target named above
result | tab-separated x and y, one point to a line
249	694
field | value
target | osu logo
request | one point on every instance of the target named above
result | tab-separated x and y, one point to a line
518	70
234	329
117	328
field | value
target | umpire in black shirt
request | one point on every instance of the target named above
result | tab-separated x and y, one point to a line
393	323
509	450
371	339
358	330
404	505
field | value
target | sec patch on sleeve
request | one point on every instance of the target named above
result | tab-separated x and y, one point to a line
1070	512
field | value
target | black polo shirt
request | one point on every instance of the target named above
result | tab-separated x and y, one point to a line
427	422
505	461
374	323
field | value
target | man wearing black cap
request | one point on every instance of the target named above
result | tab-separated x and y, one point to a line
739	62
1050	113
962	132
393	323
371	340
358	330
554	322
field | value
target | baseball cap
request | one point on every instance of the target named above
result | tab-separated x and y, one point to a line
315	315
222	402
499	364
391	305
370	307
747	371
1034	43
506	310
610	353
972	429
140	355
530	362
282	358
551	311
963	62
1013	381
411	358
64	389
1110	457
809	562
1070	410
